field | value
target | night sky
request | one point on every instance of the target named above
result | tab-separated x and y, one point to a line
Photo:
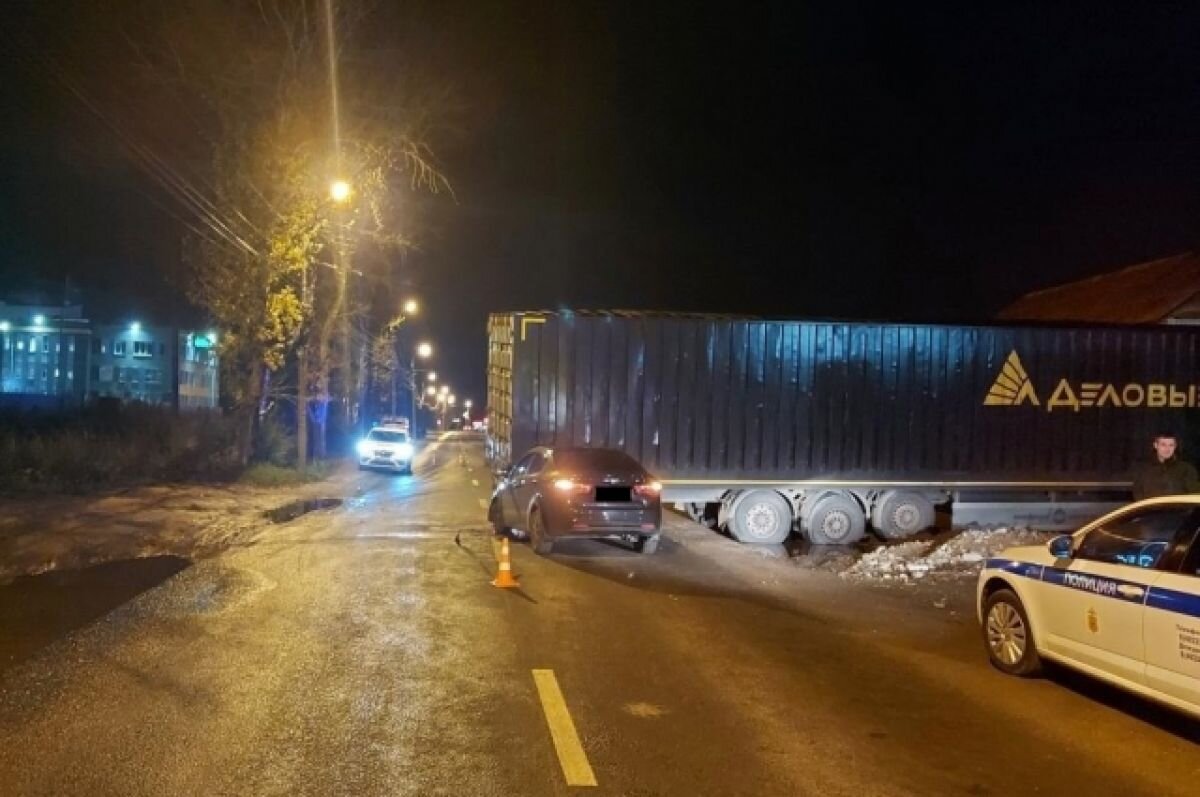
843	159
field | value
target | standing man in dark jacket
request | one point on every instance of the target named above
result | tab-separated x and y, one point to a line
1164	473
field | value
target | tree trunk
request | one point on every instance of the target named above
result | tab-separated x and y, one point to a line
302	408
346	354
322	372
248	427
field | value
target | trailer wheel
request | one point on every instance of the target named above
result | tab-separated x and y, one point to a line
836	520
704	514
761	517
648	545
899	514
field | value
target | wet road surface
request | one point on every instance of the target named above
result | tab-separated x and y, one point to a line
361	650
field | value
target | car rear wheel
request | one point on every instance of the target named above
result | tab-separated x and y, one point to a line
542	543
1007	635
496	519
648	545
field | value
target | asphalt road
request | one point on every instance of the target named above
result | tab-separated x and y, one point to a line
361	650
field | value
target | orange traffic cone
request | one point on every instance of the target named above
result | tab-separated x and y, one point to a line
504	575
504	578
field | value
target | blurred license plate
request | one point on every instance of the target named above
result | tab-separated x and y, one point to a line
614	495
383	454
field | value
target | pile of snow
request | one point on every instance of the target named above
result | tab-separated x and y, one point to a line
959	557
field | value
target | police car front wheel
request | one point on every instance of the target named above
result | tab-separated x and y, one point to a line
1007	635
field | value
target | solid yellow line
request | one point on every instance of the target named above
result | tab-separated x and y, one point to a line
571	757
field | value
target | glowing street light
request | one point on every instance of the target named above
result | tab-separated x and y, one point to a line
467	404
431	376
135	327
5	326
451	399
411	307
212	337
431	391
444	390
339	191
424	351
39	319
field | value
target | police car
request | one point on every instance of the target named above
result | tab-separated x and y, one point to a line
1119	600
386	447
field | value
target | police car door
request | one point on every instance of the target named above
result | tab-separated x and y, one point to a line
1094	602
1173	623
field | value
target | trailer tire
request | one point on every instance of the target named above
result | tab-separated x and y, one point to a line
899	514
704	514
761	517
836	520
648	545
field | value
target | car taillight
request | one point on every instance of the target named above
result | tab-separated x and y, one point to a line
571	486
648	490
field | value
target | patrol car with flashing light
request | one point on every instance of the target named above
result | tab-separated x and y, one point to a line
1119	600
386	447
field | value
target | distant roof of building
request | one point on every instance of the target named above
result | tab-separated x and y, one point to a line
1148	293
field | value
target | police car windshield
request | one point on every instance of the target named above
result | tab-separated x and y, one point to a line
385	436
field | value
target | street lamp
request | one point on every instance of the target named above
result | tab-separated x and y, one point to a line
135	327
424	351
39	319
411	307
467	403
339	191
451	399
431	376
431	391
443	390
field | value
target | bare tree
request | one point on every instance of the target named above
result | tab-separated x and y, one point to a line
273	258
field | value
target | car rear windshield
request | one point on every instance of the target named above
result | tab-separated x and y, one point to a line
601	458
383	436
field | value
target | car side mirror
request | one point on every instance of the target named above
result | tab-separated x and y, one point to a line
1060	546
499	474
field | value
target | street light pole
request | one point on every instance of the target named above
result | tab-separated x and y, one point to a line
412	394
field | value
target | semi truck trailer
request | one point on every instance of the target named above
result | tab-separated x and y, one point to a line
832	428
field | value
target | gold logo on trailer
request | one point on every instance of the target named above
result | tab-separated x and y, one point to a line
1013	387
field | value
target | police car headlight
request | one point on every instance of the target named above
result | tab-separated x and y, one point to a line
363	448
404	451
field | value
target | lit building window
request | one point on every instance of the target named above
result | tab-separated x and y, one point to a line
32	345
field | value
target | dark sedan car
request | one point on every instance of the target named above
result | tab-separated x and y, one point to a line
578	492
